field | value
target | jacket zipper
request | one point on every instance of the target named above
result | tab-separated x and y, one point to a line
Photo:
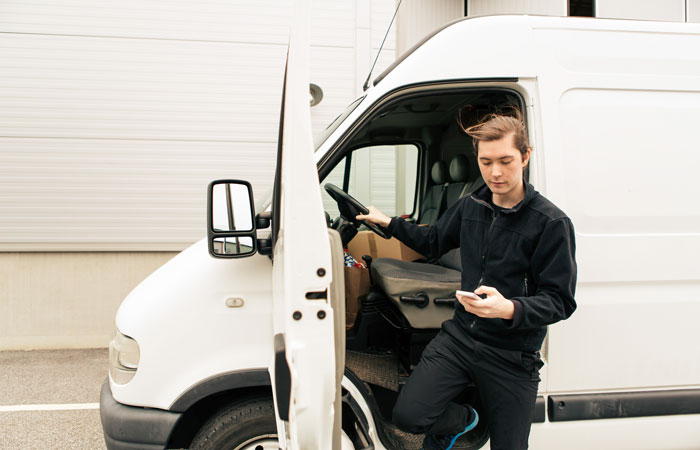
525	283
485	254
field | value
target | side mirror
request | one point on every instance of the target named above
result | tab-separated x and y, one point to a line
231	219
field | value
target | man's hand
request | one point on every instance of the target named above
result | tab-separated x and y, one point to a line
375	216
494	306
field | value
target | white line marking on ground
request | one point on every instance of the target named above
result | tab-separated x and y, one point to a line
55	407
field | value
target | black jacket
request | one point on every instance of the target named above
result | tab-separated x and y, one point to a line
527	253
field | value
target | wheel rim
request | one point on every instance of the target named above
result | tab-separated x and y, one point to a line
264	442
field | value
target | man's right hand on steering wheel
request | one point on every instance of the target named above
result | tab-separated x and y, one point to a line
375	216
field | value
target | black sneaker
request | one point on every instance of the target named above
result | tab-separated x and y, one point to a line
446	442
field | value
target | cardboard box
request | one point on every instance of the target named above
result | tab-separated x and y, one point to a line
369	243
356	288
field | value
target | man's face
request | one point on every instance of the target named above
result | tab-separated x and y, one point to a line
501	165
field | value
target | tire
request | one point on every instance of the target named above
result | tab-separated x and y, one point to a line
245	425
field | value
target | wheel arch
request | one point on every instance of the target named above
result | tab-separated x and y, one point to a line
199	403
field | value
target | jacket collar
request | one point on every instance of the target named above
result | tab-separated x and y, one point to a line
484	197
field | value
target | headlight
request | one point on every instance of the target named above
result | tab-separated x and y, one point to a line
124	357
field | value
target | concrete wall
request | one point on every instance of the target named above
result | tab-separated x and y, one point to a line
67	300
665	10
543	7
668	10
693	10
418	18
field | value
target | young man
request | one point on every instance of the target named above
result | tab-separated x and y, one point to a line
517	252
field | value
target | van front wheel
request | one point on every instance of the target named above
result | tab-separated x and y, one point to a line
246	425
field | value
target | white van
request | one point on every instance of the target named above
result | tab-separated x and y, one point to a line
249	349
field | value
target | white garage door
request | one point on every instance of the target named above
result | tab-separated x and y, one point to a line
116	115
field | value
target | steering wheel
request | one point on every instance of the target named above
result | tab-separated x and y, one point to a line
349	208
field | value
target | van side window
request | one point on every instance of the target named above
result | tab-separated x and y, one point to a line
383	175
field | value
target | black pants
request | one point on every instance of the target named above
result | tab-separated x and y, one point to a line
506	381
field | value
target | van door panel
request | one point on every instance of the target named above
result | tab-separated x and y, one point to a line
302	271
631	192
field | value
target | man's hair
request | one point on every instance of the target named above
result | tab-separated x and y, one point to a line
495	126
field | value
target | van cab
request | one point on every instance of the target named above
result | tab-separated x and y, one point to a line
243	340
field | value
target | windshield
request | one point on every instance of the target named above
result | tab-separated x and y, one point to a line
336	123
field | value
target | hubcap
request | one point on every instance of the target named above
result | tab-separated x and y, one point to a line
264	442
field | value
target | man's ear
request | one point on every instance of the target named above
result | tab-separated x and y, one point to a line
526	157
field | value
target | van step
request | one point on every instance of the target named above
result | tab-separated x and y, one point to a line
409	441
381	369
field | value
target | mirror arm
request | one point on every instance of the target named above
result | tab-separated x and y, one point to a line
265	247
263	220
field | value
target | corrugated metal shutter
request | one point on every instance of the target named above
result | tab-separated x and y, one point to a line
116	115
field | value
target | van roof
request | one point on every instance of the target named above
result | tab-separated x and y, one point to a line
508	46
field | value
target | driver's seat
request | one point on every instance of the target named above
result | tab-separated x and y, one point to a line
424	293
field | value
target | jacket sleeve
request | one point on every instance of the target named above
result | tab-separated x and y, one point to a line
434	241
553	267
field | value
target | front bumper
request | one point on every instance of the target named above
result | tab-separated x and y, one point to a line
134	428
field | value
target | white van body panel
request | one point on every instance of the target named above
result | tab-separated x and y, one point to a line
185	330
631	195
621	115
680	432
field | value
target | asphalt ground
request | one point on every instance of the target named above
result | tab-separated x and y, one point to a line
49	399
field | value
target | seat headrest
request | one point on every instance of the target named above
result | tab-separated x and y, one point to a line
459	169
439	172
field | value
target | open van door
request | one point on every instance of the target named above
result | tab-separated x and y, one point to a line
303	367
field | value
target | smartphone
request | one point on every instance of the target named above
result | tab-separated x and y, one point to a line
468	294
